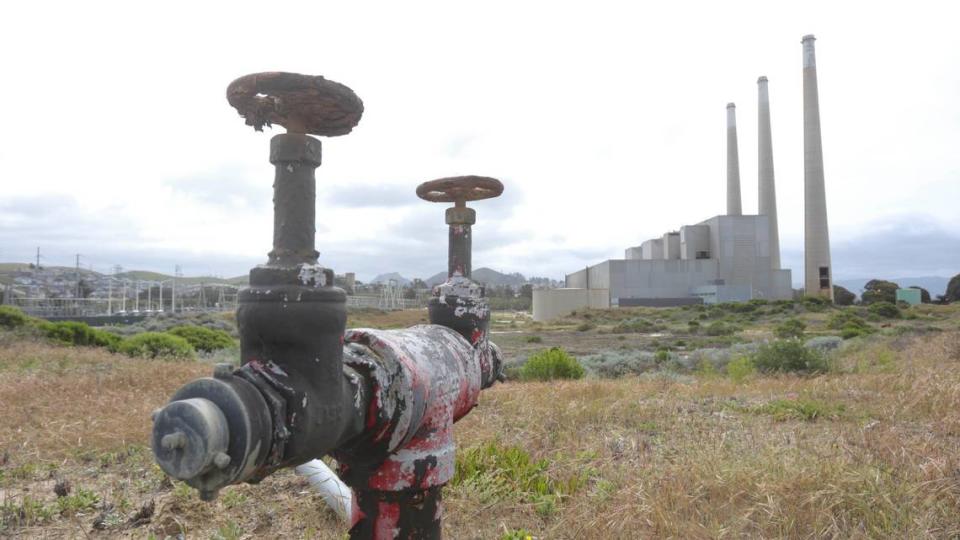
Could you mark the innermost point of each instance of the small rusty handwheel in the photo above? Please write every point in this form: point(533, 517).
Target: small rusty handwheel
point(460, 189)
point(300, 103)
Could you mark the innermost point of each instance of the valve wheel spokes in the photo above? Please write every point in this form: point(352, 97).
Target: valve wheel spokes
point(459, 189)
point(305, 104)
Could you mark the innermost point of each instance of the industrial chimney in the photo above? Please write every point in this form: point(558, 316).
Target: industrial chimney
point(733, 164)
point(818, 274)
point(768, 190)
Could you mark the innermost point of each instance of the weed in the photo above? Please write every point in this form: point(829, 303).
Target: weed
point(78, 501)
point(585, 327)
point(533, 339)
point(516, 534)
point(740, 369)
point(801, 409)
point(228, 531)
point(232, 498)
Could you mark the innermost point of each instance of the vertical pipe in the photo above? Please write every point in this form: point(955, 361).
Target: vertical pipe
point(459, 251)
point(818, 273)
point(733, 164)
point(295, 158)
point(767, 188)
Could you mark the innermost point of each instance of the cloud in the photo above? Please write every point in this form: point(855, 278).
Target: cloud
point(900, 246)
point(368, 196)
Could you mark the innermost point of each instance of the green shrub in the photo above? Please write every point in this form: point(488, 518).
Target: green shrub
point(11, 317)
point(789, 356)
point(550, 364)
point(633, 326)
point(157, 345)
point(613, 364)
point(204, 339)
point(586, 327)
point(885, 309)
point(845, 318)
point(740, 369)
point(534, 339)
point(720, 328)
point(815, 303)
point(78, 333)
point(790, 328)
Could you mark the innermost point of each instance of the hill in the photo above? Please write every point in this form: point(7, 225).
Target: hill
point(485, 276)
point(384, 278)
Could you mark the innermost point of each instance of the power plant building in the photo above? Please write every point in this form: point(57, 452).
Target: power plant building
point(727, 258)
point(722, 259)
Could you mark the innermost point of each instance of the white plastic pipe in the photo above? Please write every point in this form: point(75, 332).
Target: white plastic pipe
point(334, 492)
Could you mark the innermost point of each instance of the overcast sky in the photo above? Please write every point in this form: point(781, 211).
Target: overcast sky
point(604, 120)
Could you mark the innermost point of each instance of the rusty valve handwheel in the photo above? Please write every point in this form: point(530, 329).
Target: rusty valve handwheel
point(460, 189)
point(301, 103)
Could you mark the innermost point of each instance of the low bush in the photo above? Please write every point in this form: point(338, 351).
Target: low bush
point(78, 333)
point(886, 310)
point(633, 326)
point(740, 369)
point(157, 345)
point(614, 364)
point(790, 328)
point(815, 303)
point(824, 344)
point(585, 327)
point(720, 328)
point(789, 356)
point(204, 339)
point(11, 317)
point(533, 339)
point(550, 364)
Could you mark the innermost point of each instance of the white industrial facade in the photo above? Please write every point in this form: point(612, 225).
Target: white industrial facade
point(725, 258)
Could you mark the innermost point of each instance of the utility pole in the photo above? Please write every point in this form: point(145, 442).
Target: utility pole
point(109, 295)
point(76, 296)
point(38, 257)
point(123, 305)
point(136, 303)
point(176, 274)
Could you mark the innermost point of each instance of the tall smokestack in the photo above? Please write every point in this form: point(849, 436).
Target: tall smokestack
point(818, 274)
point(733, 164)
point(768, 190)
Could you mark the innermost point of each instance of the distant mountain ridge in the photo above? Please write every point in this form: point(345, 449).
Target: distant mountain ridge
point(385, 278)
point(484, 276)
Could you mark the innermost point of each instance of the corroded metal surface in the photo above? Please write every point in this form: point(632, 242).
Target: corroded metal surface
point(300, 103)
point(382, 402)
point(458, 189)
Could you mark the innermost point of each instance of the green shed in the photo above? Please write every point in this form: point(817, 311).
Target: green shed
point(910, 296)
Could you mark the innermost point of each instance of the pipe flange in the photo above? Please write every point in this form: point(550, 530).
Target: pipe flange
point(188, 435)
point(304, 104)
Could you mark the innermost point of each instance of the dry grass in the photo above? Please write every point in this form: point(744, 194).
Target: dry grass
point(660, 456)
